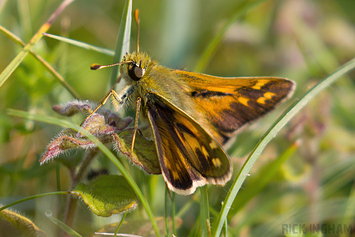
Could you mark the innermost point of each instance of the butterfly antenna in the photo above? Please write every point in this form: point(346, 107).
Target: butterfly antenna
point(96, 66)
point(136, 16)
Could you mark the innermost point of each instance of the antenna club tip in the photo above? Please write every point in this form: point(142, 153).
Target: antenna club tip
point(95, 66)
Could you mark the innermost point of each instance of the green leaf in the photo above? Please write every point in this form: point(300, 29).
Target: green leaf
point(107, 195)
point(18, 225)
point(144, 153)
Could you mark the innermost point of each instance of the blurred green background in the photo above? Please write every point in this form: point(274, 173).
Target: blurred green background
point(303, 40)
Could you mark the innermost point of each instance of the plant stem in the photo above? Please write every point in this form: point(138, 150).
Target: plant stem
point(69, 219)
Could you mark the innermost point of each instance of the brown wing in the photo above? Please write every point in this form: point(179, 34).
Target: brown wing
point(188, 156)
point(230, 103)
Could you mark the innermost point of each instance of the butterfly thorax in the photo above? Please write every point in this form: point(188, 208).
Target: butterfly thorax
point(156, 81)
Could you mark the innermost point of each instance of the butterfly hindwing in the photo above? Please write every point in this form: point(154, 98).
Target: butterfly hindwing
point(189, 157)
point(230, 103)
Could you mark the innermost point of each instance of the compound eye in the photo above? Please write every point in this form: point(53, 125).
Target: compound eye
point(135, 72)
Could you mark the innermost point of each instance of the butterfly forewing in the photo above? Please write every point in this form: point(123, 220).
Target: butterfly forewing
point(230, 103)
point(189, 157)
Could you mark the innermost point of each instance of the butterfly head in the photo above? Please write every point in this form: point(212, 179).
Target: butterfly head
point(136, 66)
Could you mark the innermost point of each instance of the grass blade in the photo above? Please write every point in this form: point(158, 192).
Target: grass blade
point(63, 226)
point(81, 44)
point(123, 38)
point(49, 68)
point(272, 132)
point(20, 57)
point(33, 197)
point(204, 212)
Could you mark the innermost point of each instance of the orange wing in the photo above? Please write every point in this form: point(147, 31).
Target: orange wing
point(231, 103)
point(189, 157)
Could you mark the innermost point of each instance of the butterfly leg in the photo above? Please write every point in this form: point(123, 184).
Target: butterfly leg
point(138, 103)
point(97, 108)
point(121, 98)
